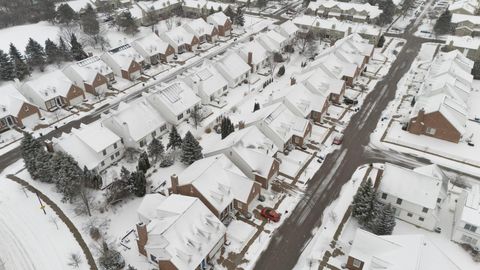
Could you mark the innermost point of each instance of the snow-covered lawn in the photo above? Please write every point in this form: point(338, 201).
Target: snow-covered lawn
point(29, 238)
point(293, 162)
point(19, 35)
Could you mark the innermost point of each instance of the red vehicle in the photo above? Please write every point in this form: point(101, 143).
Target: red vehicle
point(338, 139)
point(270, 214)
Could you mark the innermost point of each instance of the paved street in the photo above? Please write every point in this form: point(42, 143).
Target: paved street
point(292, 237)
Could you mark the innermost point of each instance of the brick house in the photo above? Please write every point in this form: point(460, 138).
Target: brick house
point(153, 49)
point(157, 10)
point(219, 184)
point(221, 22)
point(92, 75)
point(344, 11)
point(323, 83)
point(15, 110)
point(178, 232)
point(181, 40)
point(51, 91)
point(204, 31)
point(125, 62)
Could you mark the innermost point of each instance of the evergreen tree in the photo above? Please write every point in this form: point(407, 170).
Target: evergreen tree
point(363, 202)
point(125, 174)
point(111, 259)
point(211, 10)
point(52, 52)
point(174, 139)
point(196, 115)
point(239, 18)
point(191, 149)
point(65, 53)
point(90, 23)
point(30, 148)
point(381, 41)
point(76, 49)
point(155, 149)
point(384, 223)
point(256, 106)
point(388, 12)
point(44, 172)
point(139, 183)
point(443, 24)
point(230, 14)
point(65, 14)
point(47, 10)
point(143, 163)
point(21, 68)
point(35, 55)
point(91, 178)
point(281, 71)
point(7, 70)
point(69, 177)
point(127, 23)
point(227, 127)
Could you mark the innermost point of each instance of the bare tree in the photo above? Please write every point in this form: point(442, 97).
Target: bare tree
point(196, 115)
point(66, 32)
point(169, 22)
point(304, 40)
point(272, 64)
point(74, 260)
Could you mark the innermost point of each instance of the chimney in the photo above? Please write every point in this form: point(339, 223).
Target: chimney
point(142, 237)
point(420, 115)
point(241, 125)
point(49, 146)
point(251, 38)
point(349, 31)
point(156, 32)
point(90, 54)
point(293, 81)
point(174, 179)
point(249, 58)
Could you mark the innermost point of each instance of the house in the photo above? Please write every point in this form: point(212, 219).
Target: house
point(468, 46)
point(125, 62)
point(153, 11)
point(336, 66)
point(334, 29)
point(219, 184)
point(221, 22)
point(289, 30)
point(204, 31)
point(180, 232)
point(466, 7)
point(465, 25)
point(113, 4)
point(181, 40)
point(175, 101)
point(466, 229)
point(194, 8)
point(415, 194)
point(233, 68)
point(15, 110)
point(255, 55)
point(207, 83)
point(404, 251)
point(280, 125)
point(355, 44)
point(135, 12)
point(153, 49)
point(252, 152)
point(301, 101)
point(92, 75)
point(51, 91)
point(441, 109)
point(272, 41)
point(344, 10)
point(323, 83)
point(93, 146)
point(137, 123)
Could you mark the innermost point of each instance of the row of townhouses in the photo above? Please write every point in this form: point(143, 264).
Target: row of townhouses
point(356, 12)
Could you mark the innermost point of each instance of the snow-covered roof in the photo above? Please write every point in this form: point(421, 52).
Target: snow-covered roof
point(148, 206)
point(207, 78)
point(123, 56)
point(216, 5)
point(354, 44)
point(283, 122)
point(259, 54)
point(147, 6)
point(76, 5)
point(233, 65)
point(12, 101)
point(184, 231)
point(194, 3)
point(334, 24)
point(466, 42)
point(322, 82)
point(288, 28)
point(398, 252)
point(178, 36)
point(470, 6)
point(217, 18)
point(471, 209)
point(138, 117)
point(301, 98)
point(411, 185)
point(272, 40)
point(199, 27)
point(150, 45)
point(347, 7)
point(334, 65)
point(49, 85)
point(253, 147)
point(176, 96)
point(88, 69)
point(458, 18)
point(218, 180)
point(86, 143)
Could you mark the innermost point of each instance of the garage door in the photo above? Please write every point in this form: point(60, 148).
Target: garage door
point(76, 100)
point(101, 89)
point(30, 121)
point(135, 75)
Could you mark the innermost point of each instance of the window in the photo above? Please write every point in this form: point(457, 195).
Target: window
point(399, 201)
point(469, 240)
point(121, 140)
point(188, 111)
point(142, 143)
point(162, 128)
point(104, 152)
point(431, 131)
point(439, 200)
point(469, 227)
point(180, 116)
point(154, 134)
point(102, 163)
point(356, 263)
point(153, 258)
point(410, 215)
point(421, 218)
point(425, 210)
point(112, 157)
point(117, 154)
point(384, 196)
point(115, 146)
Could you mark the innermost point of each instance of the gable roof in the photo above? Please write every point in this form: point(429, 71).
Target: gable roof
point(12, 101)
point(199, 27)
point(49, 85)
point(470, 6)
point(150, 45)
point(217, 18)
point(367, 9)
point(233, 65)
point(176, 96)
point(471, 209)
point(178, 36)
point(87, 69)
point(458, 18)
point(321, 81)
point(207, 78)
point(123, 56)
point(259, 54)
point(301, 98)
point(288, 28)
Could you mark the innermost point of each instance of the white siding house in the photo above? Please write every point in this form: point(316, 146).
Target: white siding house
point(467, 218)
point(233, 68)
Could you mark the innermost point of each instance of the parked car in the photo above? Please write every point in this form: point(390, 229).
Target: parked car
point(270, 214)
point(338, 139)
point(349, 101)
